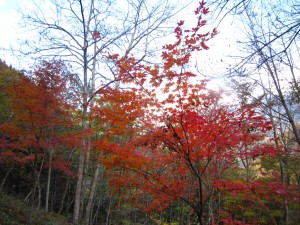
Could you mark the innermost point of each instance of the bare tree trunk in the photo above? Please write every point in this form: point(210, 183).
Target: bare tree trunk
point(31, 202)
point(40, 194)
point(79, 187)
point(287, 110)
point(5, 177)
point(286, 208)
point(92, 194)
point(109, 209)
point(85, 91)
point(188, 220)
point(77, 199)
point(64, 196)
point(32, 193)
point(39, 185)
point(95, 218)
point(181, 218)
point(282, 173)
point(210, 212)
point(87, 213)
point(48, 184)
point(298, 181)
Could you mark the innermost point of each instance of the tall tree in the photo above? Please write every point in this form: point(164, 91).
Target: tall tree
point(83, 32)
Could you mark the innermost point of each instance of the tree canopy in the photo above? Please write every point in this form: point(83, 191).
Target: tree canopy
point(129, 140)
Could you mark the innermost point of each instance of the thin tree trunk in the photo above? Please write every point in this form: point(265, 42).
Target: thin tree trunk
point(181, 218)
point(92, 194)
point(275, 78)
point(48, 184)
point(64, 196)
point(109, 208)
point(286, 208)
point(95, 218)
point(199, 216)
point(40, 194)
point(188, 220)
point(282, 173)
point(87, 214)
point(298, 181)
point(39, 185)
point(32, 195)
point(5, 177)
point(66, 187)
point(171, 212)
point(77, 199)
point(210, 212)
point(31, 203)
point(79, 186)
point(200, 211)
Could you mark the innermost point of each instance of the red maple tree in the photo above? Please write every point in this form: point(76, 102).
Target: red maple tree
point(193, 142)
point(41, 118)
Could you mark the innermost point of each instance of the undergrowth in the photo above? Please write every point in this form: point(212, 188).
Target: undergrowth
point(14, 212)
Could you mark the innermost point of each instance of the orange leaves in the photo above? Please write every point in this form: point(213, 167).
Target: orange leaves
point(170, 132)
point(175, 57)
point(119, 107)
point(204, 46)
point(154, 72)
point(169, 63)
point(39, 109)
point(119, 119)
point(189, 74)
point(38, 101)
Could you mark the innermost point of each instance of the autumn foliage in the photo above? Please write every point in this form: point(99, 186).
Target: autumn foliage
point(187, 143)
point(160, 135)
point(40, 118)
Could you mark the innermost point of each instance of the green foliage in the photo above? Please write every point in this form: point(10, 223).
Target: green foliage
point(269, 164)
point(159, 221)
point(14, 212)
point(7, 76)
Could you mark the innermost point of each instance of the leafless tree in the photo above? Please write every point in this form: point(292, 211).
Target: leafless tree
point(283, 15)
point(83, 33)
point(267, 70)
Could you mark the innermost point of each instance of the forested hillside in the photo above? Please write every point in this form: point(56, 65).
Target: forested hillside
point(107, 128)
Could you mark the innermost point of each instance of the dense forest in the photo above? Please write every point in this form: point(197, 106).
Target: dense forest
point(109, 128)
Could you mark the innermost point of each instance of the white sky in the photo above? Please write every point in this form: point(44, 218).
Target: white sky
point(9, 18)
point(209, 62)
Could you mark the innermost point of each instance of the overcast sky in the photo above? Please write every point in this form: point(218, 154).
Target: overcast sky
point(9, 18)
point(210, 61)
